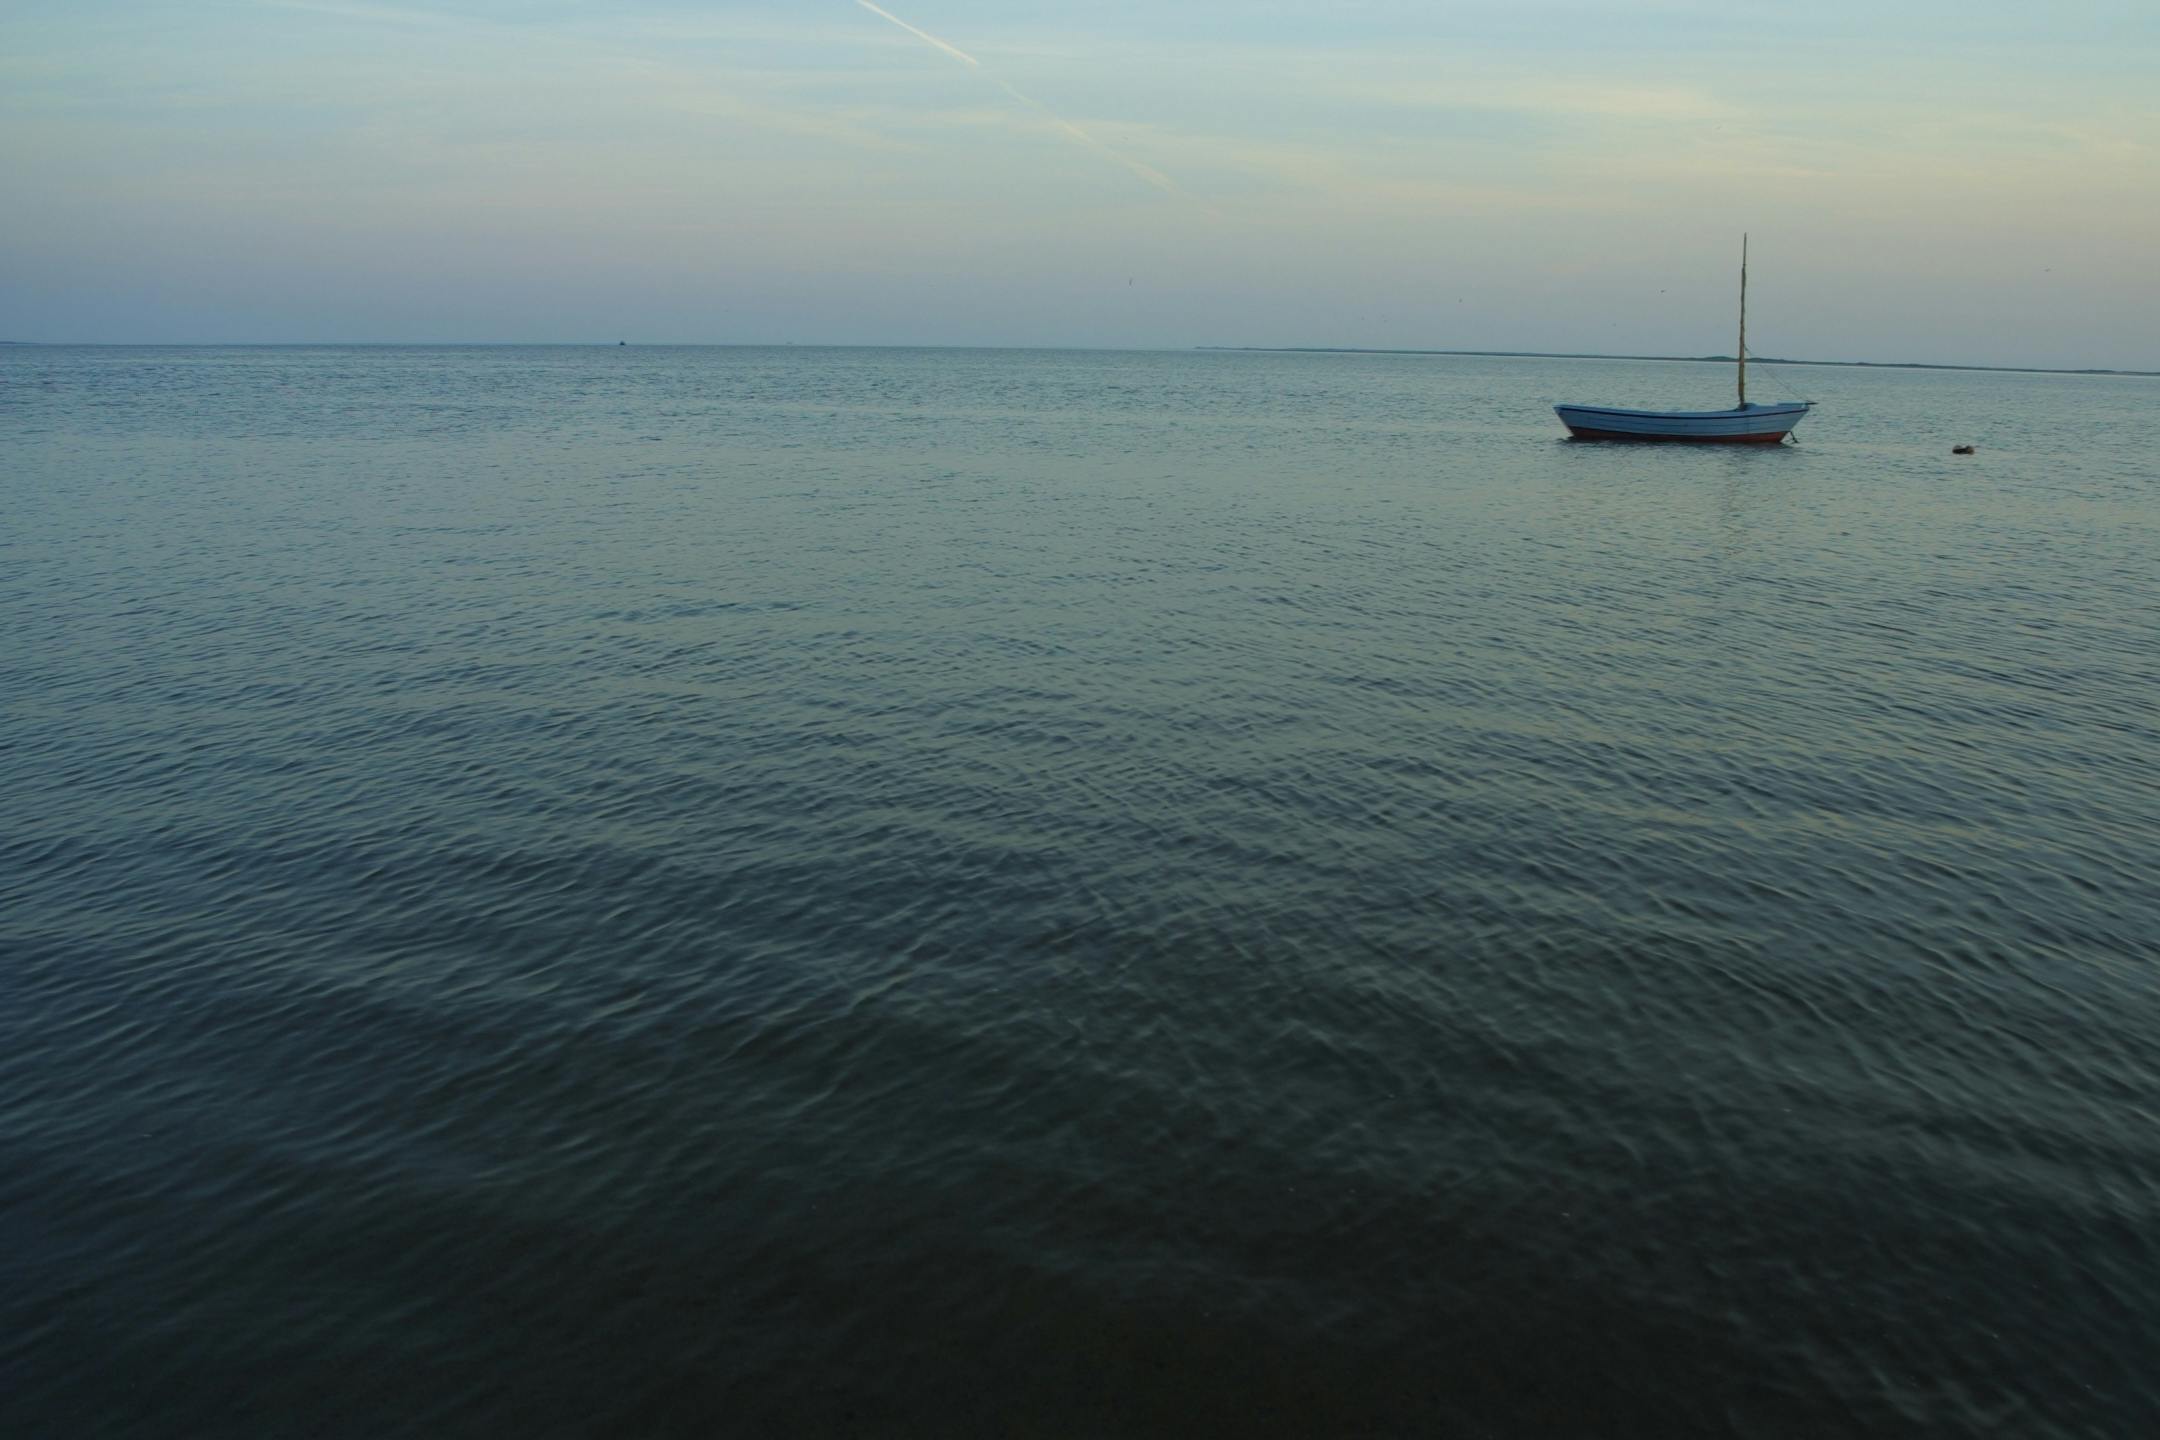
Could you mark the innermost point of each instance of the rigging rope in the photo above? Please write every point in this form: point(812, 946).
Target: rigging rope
point(1754, 359)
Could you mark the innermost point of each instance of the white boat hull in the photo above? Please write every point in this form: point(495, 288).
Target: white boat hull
point(1747, 425)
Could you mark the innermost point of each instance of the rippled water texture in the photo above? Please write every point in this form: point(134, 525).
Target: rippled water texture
point(676, 892)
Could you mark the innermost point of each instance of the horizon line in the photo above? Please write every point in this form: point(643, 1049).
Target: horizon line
point(1107, 349)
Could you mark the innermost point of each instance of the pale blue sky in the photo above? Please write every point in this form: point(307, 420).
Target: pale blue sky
point(1971, 182)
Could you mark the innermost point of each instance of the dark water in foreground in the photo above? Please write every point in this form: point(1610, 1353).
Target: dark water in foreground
point(598, 892)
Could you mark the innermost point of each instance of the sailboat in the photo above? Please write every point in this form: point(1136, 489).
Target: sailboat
point(1744, 424)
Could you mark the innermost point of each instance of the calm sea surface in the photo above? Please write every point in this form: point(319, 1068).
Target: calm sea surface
point(762, 892)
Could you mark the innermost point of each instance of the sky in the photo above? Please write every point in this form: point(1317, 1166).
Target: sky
point(1970, 183)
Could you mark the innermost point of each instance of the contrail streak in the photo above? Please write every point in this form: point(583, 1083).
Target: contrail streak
point(953, 50)
point(1148, 173)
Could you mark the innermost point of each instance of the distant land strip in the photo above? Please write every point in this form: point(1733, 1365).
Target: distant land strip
point(1683, 359)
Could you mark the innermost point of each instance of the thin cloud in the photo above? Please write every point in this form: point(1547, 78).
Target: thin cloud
point(389, 14)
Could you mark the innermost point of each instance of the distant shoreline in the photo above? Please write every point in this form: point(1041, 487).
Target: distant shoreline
point(1680, 359)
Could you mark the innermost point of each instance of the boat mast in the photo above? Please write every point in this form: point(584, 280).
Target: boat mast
point(1743, 321)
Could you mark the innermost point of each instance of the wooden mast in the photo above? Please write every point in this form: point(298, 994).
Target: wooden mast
point(1743, 321)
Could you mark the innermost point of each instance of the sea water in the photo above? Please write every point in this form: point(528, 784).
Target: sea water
point(790, 891)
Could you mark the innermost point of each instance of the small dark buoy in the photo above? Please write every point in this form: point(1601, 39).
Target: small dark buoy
point(622, 342)
point(1961, 450)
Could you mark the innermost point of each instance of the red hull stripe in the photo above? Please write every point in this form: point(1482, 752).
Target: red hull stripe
point(1767, 438)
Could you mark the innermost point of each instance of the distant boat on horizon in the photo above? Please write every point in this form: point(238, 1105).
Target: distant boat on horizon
point(1744, 424)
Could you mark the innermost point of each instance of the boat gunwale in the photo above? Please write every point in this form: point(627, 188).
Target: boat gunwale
point(1766, 412)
